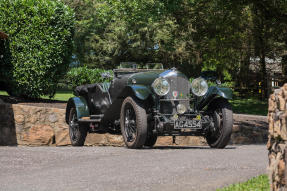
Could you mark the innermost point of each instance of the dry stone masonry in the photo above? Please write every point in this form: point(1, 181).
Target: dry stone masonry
point(277, 140)
point(36, 126)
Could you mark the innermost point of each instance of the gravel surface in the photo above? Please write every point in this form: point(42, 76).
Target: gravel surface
point(119, 168)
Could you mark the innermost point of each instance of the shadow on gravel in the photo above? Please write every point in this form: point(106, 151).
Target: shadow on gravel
point(187, 147)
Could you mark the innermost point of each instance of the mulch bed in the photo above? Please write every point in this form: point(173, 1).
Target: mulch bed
point(34, 102)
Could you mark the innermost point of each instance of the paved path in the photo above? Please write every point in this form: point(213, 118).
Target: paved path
point(118, 168)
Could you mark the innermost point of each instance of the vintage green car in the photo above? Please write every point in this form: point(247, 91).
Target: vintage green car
point(147, 102)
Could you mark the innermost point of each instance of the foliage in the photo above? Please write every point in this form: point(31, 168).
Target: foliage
point(259, 183)
point(40, 43)
point(83, 75)
point(190, 35)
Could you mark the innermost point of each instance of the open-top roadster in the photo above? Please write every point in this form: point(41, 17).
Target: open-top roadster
point(142, 104)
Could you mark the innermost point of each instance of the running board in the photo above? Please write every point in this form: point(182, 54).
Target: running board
point(92, 119)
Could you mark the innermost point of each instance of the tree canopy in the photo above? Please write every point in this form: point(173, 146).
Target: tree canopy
point(190, 34)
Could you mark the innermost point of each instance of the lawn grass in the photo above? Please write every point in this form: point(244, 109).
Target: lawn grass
point(61, 96)
point(3, 93)
point(249, 106)
point(259, 183)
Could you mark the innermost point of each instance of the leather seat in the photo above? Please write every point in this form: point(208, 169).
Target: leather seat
point(97, 96)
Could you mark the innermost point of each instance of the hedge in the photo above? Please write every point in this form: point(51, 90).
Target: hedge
point(39, 48)
point(83, 75)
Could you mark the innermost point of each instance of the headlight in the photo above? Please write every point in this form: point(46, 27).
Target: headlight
point(181, 109)
point(161, 86)
point(199, 87)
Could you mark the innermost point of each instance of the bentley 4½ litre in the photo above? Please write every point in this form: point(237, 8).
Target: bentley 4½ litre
point(144, 103)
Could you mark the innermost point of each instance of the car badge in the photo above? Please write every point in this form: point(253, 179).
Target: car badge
point(175, 94)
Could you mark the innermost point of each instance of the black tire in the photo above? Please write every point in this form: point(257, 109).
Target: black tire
point(222, 116)
point(133, 123)
point(150, 140)
point(78, 132)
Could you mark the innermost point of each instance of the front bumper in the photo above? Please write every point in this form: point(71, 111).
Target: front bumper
point(181, 125)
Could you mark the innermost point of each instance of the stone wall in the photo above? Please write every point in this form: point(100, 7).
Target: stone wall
point(277, 140)
point(30, 125)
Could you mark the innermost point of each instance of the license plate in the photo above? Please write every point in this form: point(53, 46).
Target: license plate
point(188, 124)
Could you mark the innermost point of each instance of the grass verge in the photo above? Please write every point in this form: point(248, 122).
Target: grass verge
point(259, 183)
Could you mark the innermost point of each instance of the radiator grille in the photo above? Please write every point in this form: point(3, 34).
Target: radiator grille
point(178, 94)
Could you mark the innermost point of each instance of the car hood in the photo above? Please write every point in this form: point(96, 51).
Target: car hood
point(147, 78)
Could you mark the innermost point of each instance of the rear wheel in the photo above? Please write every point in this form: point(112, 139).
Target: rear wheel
point(77, 132)
point(222, 121)
point(133, 123)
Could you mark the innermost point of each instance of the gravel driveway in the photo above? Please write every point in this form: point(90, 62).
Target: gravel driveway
point(118, 168)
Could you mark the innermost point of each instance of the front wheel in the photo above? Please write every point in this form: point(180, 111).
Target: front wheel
point(133, 123)
point(221, 126)
point(77, 131)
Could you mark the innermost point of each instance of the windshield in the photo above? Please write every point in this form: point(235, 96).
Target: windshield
point(134, 65)
point(154, 66)
point(128, 65)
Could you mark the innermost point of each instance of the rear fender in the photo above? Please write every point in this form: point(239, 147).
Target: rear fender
point(213, 93)
point(81, 107)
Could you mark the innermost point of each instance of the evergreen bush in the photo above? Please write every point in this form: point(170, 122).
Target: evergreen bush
point(83, 75)
point(40, 45)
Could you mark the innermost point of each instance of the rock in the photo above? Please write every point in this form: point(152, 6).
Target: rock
point(164, 141)
point(96, 139)
point(115, 140)
point(39, 135)
point(271, 103)
point(282, 103)
point(20, 119)
point(53, 118)
point(241, 140)
point(62, 136)
point(269, 143)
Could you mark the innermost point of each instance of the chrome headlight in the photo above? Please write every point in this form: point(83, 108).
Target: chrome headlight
point(199, 87)
point(161, 86)
point(181, 109)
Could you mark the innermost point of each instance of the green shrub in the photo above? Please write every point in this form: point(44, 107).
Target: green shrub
point(83, 75)
point(40, 44)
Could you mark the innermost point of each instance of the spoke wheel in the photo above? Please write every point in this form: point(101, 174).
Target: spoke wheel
point(130, 123)
point(133, 123)
point(221, 126)
point(77, 132)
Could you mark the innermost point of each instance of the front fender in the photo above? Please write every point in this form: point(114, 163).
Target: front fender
point(140, 91)
point(81, 106)
point(214, 92)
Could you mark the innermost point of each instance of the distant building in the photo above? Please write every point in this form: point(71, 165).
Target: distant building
point(274, 71)
point(273, 65)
